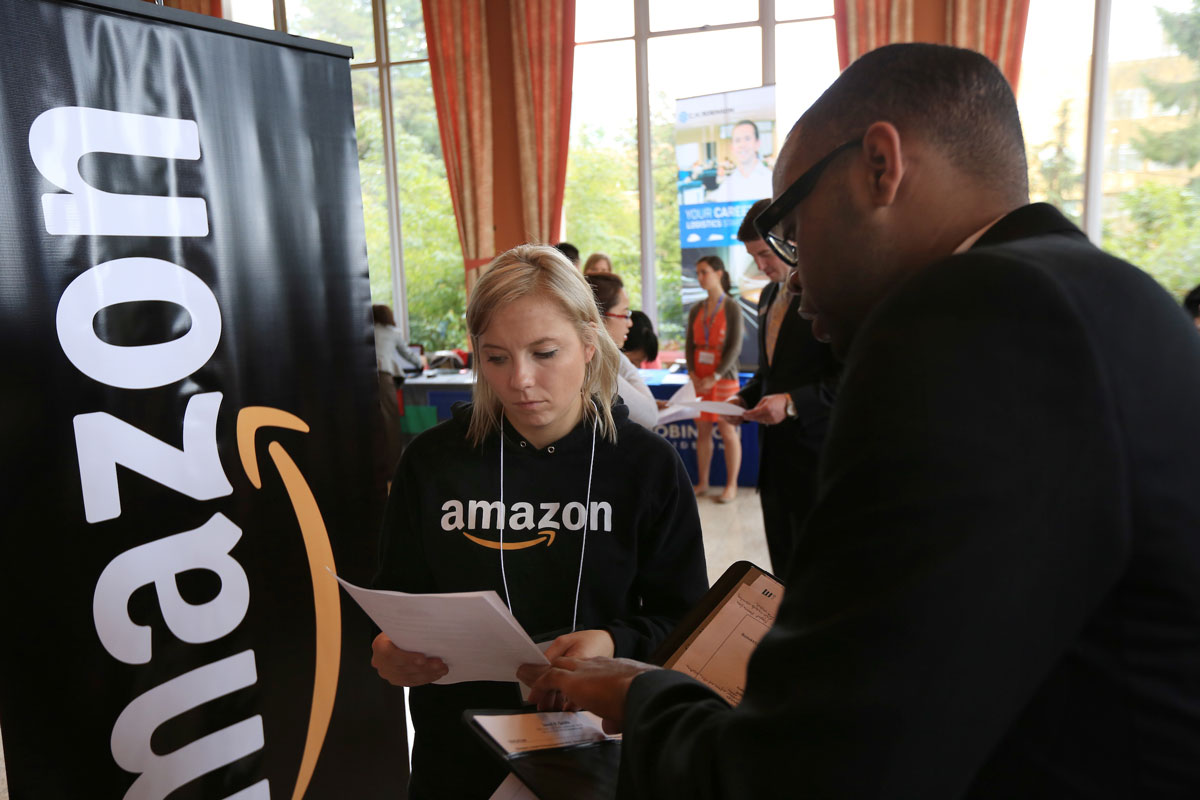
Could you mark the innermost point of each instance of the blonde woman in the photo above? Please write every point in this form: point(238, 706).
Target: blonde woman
point(597, 264)
point(528, 491)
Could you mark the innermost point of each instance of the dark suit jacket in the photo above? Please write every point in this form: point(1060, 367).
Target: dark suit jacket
point(804, 369)
point(998, 592)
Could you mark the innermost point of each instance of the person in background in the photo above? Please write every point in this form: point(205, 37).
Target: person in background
point(714, 341)
point(541, 448)
point(641, 345)
point(596, 264)
point(570, 251)
point(1192, 304)
point(613, 304)
point(392, 357)
point(789, 396)
point(392, 353)
point(997, 594)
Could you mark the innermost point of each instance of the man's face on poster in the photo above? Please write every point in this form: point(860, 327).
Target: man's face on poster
point(745, 145)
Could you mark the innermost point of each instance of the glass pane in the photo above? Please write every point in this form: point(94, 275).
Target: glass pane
point(802, 9)
point(1152, 148)
point(260, 13)
point(686, 66)
point(603, 19)
point(433, 265)
point(368, 127)
point(669, 15)
point(1052, 98)
point(806, 62)
point(600, 209)
point(343, 21)
point(406, 30)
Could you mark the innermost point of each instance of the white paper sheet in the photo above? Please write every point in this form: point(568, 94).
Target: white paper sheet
point(473, 632)
point(684, 405)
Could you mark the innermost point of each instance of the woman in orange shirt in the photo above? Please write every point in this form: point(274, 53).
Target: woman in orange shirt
point(714, 340)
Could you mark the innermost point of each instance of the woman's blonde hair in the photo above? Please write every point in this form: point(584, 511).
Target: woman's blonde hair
point(593, 260)
point(532, 270)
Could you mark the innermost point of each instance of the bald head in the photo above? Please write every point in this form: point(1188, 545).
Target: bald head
point(955, 100)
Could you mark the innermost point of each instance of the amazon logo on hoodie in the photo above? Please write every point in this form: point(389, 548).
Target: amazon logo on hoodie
point(486, 517)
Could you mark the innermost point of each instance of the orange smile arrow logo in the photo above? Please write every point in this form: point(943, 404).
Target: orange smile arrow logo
point(546, 536)
point(320, 556)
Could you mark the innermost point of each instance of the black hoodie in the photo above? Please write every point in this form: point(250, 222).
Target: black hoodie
point(642, 569)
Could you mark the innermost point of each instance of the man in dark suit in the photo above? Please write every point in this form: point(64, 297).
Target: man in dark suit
point(789, 396)
point(997, 594)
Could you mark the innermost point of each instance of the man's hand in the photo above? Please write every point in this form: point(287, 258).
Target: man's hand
point(403, 667)
point(771, 410)
point(737, 401)
point(580, 644)
point(598, 685)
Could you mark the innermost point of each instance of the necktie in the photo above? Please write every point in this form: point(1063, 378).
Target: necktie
point(774, 319)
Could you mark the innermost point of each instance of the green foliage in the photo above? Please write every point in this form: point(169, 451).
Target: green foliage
point(1181, 146)
point(601, 202)
point(666, 227)
point(431, 251)
point(433, 265)
point(343, 21)
point(369, 133)
point(1054, 175)
point(1156, 230)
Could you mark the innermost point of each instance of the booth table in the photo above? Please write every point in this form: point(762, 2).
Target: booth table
point(443, 389)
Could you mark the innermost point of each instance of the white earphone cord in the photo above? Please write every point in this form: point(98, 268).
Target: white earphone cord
point(587, 509)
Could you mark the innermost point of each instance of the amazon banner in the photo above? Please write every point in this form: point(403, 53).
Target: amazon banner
point(188, 411)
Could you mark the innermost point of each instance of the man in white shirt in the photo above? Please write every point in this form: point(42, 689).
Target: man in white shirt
point(750, 179)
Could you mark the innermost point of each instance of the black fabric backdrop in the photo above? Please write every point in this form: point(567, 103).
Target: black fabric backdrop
point(285, 258)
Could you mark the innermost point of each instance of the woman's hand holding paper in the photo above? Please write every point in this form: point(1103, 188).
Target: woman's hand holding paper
point(580, 644)
point(402, 667)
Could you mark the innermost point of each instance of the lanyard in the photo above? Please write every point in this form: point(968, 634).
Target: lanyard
point(706, 321)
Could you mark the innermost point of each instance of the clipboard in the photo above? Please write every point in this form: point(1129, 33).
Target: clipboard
point(586, 771)
point(741, 573)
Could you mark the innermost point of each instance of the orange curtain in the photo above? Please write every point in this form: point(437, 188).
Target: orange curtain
point(995, 28)
point(863, 25)
point(456, 35)
point(543, 37)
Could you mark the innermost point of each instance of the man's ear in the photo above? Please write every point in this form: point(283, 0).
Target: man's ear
point(885, 159)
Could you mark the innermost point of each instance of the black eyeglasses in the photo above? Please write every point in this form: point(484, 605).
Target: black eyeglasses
point(766, 222)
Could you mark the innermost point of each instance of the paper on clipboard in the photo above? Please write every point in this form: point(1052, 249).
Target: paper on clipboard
point(473, 632)
point(684, 405)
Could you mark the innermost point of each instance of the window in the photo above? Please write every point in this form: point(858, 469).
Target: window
point(407, 212)
point(1149, 189)
point(1052, 98)
point(621, 196)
